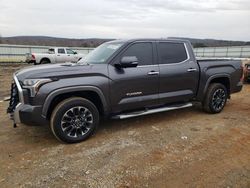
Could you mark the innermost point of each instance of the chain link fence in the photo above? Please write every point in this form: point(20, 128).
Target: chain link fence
point(223, 52)
point(17, 53)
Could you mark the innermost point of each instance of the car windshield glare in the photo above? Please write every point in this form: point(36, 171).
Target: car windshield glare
point(101, 54)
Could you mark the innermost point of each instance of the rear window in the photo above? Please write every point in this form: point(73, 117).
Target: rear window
point(170, 52)
point(51, 51)
point(61, 51)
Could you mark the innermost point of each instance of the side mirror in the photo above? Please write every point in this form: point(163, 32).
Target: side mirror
point(128, 61)
point(75, 52)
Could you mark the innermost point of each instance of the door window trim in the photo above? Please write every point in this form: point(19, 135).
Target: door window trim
point(184, 61)
point(136, 42)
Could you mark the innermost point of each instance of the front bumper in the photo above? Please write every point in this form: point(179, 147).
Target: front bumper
point(21, 112)
point(15, 115)
point(29, 115)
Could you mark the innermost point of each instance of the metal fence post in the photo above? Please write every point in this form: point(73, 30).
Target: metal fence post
point(241, 49)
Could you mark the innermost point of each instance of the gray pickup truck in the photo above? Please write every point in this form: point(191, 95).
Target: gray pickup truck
point(120, 79)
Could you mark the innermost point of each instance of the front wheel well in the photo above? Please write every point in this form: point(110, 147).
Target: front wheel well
point(90, 95)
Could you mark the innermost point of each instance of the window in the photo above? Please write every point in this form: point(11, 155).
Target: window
point(51, 51)
point(143, 51)
point(69, 51)
point(172, 52)
point(61, 51)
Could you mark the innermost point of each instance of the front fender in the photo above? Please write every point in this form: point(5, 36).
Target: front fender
point(60, 91)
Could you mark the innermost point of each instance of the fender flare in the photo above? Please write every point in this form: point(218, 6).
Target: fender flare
point(213, 77)
point(60, 91)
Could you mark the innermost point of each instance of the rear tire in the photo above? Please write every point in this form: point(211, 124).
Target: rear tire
point(74, 120)
point(215, 99)
point(45, 61)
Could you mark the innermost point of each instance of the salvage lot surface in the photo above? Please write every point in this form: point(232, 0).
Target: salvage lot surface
point(183, 148)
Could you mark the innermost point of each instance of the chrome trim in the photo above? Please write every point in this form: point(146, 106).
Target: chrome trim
point(19, 88)
point(16, 115)
point(153, 73)
point(191, 70)
point(141, 66)
point(152, 111)
point(184, 61)
point(188, 55)
point(40, 82)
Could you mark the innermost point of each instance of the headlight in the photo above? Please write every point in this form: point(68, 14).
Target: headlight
point(34, 84)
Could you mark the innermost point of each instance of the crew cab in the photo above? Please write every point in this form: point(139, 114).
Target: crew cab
point(54, 55)
point(121, 79)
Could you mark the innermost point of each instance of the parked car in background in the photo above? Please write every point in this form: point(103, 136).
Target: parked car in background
point(54, 55)
point(247, 72)
point(121, 79)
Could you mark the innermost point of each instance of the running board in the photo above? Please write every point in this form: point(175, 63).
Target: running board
point(151, 111)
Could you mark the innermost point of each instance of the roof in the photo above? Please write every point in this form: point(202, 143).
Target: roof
point(148, 39)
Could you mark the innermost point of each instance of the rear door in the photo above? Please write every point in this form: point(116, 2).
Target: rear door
point(179, 74)
point(135, 87)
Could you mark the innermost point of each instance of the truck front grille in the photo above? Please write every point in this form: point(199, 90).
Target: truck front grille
point(14, 98)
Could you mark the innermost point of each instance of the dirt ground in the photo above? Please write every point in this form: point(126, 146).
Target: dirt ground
point(183, 148)
point(6, 72)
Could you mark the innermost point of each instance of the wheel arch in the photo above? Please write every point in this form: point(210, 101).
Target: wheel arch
point(222, 79)
point(91, 93)
point(45, 58)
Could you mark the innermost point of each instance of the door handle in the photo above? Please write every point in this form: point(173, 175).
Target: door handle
point(191, 70)
point(153, 73)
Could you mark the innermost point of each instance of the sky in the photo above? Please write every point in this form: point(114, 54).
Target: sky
point(218, 19)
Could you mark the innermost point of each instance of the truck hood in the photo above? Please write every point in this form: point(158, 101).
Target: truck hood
point(58, 71)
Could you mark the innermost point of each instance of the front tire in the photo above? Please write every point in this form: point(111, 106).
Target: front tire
point(215, 99)
point(74, 120)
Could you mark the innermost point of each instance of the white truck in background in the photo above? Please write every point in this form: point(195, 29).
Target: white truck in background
point(54, 55)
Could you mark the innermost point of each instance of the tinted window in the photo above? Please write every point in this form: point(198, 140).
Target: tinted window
point(61, 51)
point(143, 51)
point(172, 52)
point(69, 51)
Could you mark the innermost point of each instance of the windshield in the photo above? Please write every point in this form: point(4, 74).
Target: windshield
point(101, 53)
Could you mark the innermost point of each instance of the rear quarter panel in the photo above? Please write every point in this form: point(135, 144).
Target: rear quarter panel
point(211, 69)
point(39, 57)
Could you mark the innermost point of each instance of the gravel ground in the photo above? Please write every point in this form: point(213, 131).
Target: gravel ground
point(183, 148)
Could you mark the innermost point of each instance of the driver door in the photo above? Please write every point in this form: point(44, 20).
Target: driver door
point(71, 56)
point(133, 88)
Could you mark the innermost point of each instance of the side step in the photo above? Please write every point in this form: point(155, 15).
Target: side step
point(152, 111)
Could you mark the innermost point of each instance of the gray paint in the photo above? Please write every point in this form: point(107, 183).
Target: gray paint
point(132, 88)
